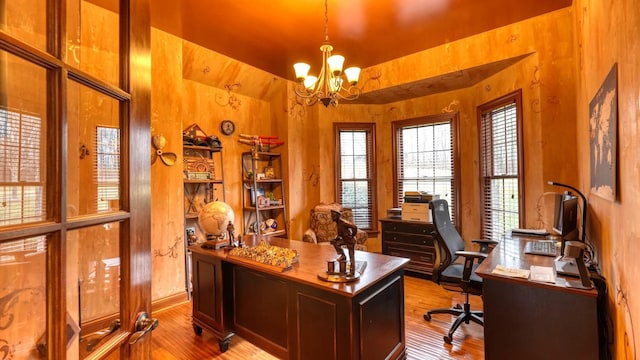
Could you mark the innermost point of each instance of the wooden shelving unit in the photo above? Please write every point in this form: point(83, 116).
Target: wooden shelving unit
point(263, 195)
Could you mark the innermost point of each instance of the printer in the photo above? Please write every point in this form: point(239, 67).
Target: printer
point(416, 206)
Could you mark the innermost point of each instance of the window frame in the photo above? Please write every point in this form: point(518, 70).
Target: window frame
point(370, 129)
point(511, 98)
point(454, 120)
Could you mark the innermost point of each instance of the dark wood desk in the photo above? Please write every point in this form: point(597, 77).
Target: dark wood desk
point(295, 315)
point(532, 320)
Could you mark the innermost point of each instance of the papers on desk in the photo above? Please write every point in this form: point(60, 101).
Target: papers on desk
point(535, 273)
point(542, 274)
point(510, 272)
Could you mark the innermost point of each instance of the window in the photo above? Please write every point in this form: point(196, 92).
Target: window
point(426, 158)
point(108, 167)
point(501, 165)
point(355, 159)
point(22, 189)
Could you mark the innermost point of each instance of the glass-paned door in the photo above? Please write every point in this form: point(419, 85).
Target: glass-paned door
point(74, 218)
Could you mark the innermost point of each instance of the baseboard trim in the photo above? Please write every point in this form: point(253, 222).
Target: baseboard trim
point(169, 301)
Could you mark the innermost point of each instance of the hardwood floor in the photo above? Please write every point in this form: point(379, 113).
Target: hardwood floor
point(175, 339)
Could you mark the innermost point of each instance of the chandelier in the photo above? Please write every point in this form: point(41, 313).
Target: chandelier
point(328, 87)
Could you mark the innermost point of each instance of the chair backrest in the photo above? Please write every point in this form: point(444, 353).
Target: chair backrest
point(448, 238)
point(322, 224)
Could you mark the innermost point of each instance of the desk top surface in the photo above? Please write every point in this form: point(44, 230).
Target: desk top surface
point(312, 260)
point(510, 253)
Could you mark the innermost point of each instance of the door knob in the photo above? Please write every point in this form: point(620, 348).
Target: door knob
point(144, 324)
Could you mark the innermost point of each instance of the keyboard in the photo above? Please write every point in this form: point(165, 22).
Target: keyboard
point(544, 248)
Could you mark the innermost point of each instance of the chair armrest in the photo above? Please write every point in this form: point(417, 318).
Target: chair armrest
point(485, 241)
point(472, 254)
point(469, 259)
point(310, 236)
point(485, 244)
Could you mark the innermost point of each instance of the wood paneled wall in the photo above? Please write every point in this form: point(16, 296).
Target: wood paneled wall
point(607, 33)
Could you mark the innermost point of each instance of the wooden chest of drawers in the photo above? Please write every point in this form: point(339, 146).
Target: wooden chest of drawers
point(413, 240)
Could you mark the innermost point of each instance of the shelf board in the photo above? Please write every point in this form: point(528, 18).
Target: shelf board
point(253, 208)
point(194, 181)
point(191, 215)
point(262, 181)
point(271, 233)
point(203, 148)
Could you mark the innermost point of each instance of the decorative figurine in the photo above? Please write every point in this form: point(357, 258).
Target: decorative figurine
point(230, 231)
point(337, 270)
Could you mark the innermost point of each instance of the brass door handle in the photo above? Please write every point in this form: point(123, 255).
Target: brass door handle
point(94, 338)
point(144, 324)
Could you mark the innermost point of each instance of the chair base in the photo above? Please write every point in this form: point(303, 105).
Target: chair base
point(464, 315)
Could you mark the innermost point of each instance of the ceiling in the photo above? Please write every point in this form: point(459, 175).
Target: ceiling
point(273, 35)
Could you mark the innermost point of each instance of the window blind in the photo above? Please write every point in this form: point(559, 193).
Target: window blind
point(425, 160)
point(499, 170)
point(354, 168)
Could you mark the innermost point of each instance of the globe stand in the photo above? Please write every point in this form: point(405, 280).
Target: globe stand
point(215, 242)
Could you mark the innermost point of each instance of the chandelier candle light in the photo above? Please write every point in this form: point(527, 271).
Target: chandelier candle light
point(328, 86)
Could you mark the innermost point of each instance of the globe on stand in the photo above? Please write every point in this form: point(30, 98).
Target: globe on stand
point(214, 219)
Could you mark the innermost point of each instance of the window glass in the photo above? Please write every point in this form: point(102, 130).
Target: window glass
point(25, 20)
point(94, 168)
point(93, 282)
point(94, 46)
point(23, 315)
point(22, 141)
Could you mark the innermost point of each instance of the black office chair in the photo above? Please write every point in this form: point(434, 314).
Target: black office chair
point(450, 272)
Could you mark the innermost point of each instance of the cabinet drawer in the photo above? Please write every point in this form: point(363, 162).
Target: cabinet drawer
point(421, 254)
point(424, 240)
point(408, 227)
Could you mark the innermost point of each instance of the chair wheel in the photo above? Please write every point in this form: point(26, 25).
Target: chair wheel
point(458, 306)
point(427, 317)
point(448, 339)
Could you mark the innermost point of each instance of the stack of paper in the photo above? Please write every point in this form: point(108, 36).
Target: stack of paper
point(511, 272)
point(543, 274)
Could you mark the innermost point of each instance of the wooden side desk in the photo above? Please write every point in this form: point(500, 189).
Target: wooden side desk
point(524, 319)
point(295, 315)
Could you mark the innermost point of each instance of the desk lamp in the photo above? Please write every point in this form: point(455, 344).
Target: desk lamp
point(584, 207)
point(574, 253)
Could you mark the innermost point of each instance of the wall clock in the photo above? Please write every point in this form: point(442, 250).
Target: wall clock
point(227, 127)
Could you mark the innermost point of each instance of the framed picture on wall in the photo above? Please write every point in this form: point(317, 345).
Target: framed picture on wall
point(603, 133)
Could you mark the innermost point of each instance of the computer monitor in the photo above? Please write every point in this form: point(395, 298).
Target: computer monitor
point(566, 218)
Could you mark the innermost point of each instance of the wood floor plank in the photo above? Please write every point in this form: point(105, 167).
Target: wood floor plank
point(175, 339)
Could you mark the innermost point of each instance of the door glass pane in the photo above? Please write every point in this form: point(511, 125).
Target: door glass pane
point(93, 284)
point(23, 321)
point(23, 115)
point(93, 42)
point(25, 20)
point(93, 174)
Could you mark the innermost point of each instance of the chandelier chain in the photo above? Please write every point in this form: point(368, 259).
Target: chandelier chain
point(326, 20)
